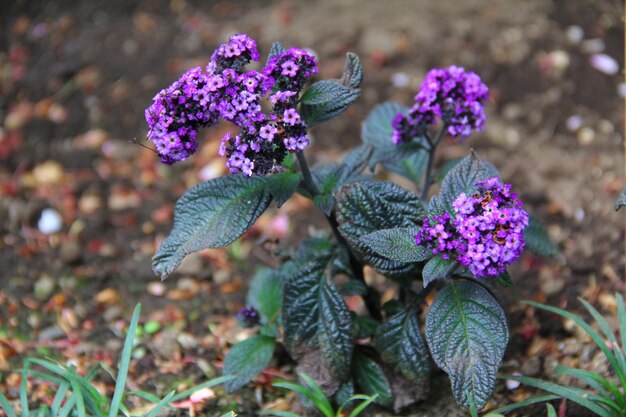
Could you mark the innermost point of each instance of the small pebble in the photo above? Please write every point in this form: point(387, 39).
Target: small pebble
point(585, 136)
point(50, 221)
point(575, 34)
point(604, 64)
point(44, 286)
point(592, 46)
point(400, 80)
point(573, 123)
point(512, 385)
point(621, 90)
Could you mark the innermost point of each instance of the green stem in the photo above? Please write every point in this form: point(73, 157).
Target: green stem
point(431, 160)
point(371, 298)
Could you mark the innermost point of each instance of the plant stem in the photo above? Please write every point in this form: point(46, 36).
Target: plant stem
point(371, 298)
point(431, 160)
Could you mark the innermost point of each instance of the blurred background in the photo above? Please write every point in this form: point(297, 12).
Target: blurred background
point(83, 206)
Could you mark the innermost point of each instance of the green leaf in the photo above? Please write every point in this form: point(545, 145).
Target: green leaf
point(352, 71)
point(6, 406)
point(400, 344)
point(247, 359)
point(410, 159)
point(276, 49)
point(467, 333)
point(397, 244)
point(537, 239)
point(353, 287)
point(369, 206)
point(315, 314)
point(504, 279)
point(621, 201)
point(266, 294)
point(282, 185)
point(212, 215)
point(550, 410)
point(371, 379)
point(325, 100)
point(436, 269)
point(534, 399)
point(364, 326)
point(461, 178)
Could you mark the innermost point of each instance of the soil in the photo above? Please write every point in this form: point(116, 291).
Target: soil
point(76, 77)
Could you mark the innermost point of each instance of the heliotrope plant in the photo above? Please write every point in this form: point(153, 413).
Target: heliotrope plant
point(459, 243)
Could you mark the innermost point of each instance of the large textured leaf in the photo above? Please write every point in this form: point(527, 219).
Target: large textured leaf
point(325, 100)
point(437, 268)
point(212, 215)
point(371, 380)
point(467, 333)
point(352, 71)
point(276, 49)
point(266, 294)
point(330, 177)
point(282, 185)
point(247, 359)
point(397, 244)
point(537, 239)
point(400, 344)
point(368, 206)
point(462, 178)
point(409, 160)
point(315, 315)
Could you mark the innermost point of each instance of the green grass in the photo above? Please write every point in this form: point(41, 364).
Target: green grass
point(76, 396)
point(601, 396)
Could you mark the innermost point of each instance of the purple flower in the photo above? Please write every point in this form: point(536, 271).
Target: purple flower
point(248, 317)
point(486, 233)
point(239, 51)
point(291, 117)
point(453, 95)
point(267, 132)
point(290, 70)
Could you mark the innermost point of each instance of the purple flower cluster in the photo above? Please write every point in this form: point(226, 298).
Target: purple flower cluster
point(453, 95)
point(289, 70)
point(224, 91)
point(176, 115)
point(486, 234)
point(248, 317)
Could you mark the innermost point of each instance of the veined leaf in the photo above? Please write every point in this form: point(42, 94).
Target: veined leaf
point(247, 359)
point(400, 344)
point(371, 379)
point(397, 244)
point(282, 185)
point(537, 239)
point(325, 100)
point(436, 269)
point(467, 333)
point(212, 215)
point(266, 294)
point(352, 71)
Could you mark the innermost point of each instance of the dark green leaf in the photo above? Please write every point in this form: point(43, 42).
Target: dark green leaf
point(371, 380)
point(325, 202)
point(397, 244)
point(621, 201)
point(352, 71)
point(276, 49)
point(504, 279)
point(283, 185)
point(247, 359)
point(335, 329)
point(212, 215)
point(266, 294)
point(353, 287)
point(364, 326)
point(462, 178)
point(408, 160)
point(325, 100)
point(467, 333)
point(345, 391)
point(315, 314)
point(437, 268)
point(368, 206)
point(537, 239)
point(400, 344)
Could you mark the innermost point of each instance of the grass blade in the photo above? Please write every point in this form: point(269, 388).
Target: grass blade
point(278, 413)
point(6, 406)
point(595, 381)
point(120, 383)
point(67, 407)
point(165, 401)
point(80, 403)
point(551, 410)
point(592, 333)
point(59, 397)
point(621, 319)
point(210, 383)
point(354, 398)
point(327, 411)
point(24, 391)
point(357, 410)
point(317, 392)
point(571, 394)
